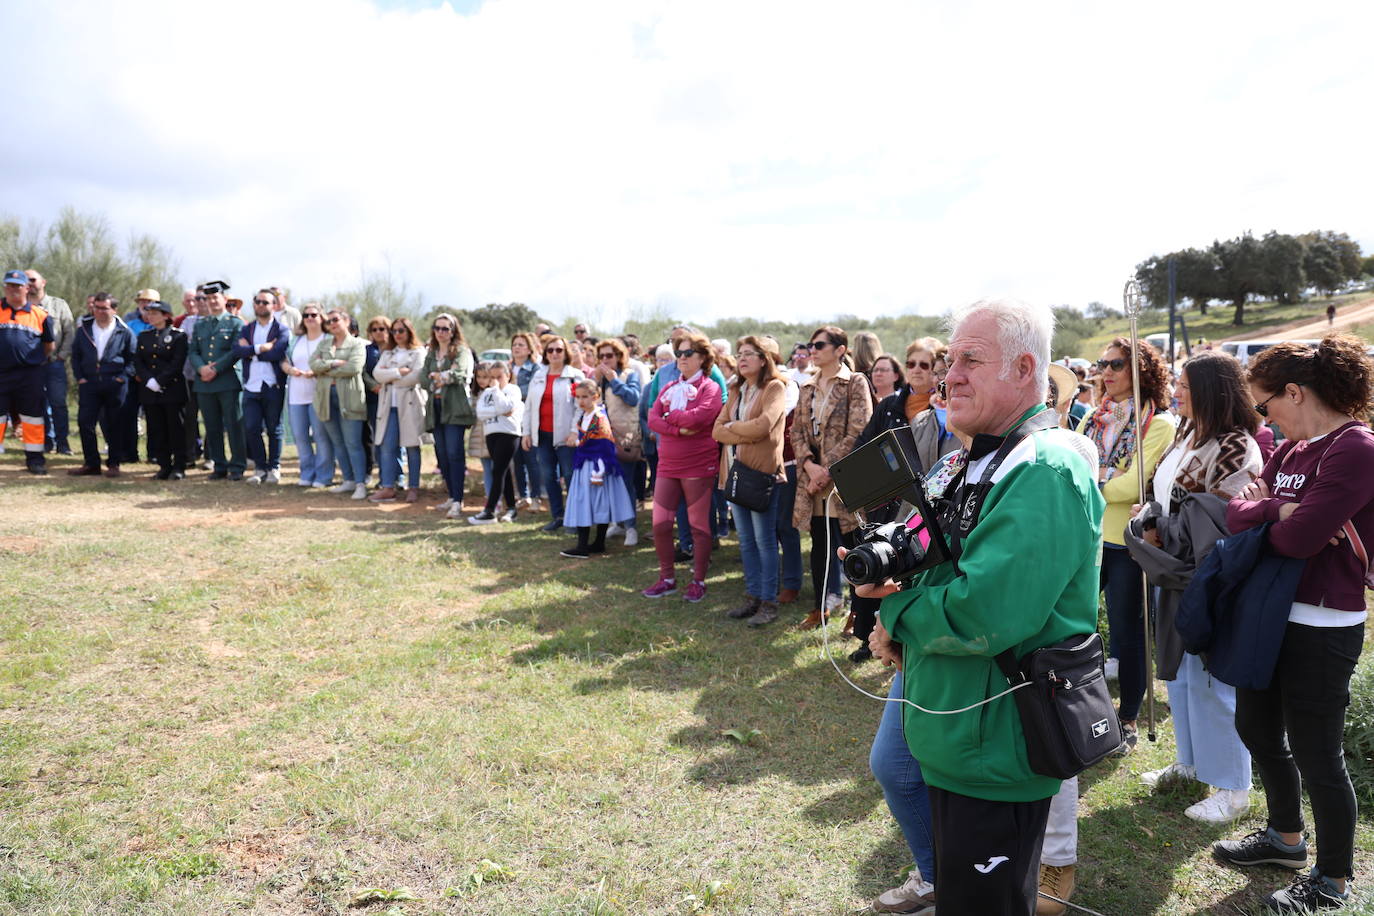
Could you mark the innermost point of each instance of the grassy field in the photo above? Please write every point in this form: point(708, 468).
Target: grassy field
point(216, 698)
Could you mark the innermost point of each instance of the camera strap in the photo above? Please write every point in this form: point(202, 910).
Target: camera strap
point(962, 512)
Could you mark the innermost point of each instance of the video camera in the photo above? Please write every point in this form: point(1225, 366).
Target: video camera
point(879, 472)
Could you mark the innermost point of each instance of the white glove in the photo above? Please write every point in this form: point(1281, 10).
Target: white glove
point(153, 386)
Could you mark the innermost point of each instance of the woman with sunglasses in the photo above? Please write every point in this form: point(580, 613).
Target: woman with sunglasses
point(911, 404)
point(1317, 493)
point(1111, 427)
point(833, 409)
point(447, 376)
point(523, 348)
point(401, 410)
point(688, 458)
point(547, 422)
point(378, 339)
point(313, 447)
point(340, 401)
point(619, 386)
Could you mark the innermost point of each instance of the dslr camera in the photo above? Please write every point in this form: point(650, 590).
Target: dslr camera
point(884, 470)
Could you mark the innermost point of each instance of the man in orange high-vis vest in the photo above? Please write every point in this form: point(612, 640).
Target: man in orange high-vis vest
point(26, 340)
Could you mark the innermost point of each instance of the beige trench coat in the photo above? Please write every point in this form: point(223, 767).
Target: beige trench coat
point(411, 400)
point(842, 417)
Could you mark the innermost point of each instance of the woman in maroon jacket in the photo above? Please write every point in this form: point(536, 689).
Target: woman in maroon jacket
point(1317, 493)
point(688, 460)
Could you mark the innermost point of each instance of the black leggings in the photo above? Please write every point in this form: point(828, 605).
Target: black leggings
point(501, 448)
point(1307, 700)
point(865, 609)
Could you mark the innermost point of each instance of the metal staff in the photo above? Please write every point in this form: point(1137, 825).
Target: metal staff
point(1134, 302)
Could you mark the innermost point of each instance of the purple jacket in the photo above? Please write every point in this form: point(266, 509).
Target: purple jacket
point(1342, 491)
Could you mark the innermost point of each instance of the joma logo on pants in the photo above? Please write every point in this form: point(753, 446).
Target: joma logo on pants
point(1289, 481)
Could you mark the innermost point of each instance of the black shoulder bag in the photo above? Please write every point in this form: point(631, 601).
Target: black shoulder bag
point(1066, 709)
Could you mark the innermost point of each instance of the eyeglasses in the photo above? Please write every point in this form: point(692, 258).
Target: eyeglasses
point(262, 301)
point(1262, 407)
point(554, 350)
point(683, 354)
point(1116, 365)
point(442, 329)
point(744, 353)
point(106, 308)
point(819, 344)
point(914, 363)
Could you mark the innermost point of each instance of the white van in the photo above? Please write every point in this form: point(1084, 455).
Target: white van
point(1243, 350)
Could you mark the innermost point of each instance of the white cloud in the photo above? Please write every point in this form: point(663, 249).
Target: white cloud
point(777, 159)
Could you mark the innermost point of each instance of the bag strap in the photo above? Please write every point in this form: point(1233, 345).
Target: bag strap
point(1006, 661)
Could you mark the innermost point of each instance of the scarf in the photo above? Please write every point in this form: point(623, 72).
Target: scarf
point(1112, 429)
point(683, 393)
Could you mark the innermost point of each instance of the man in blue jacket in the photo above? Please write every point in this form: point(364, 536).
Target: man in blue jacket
point(261, 347)
point(102, 363)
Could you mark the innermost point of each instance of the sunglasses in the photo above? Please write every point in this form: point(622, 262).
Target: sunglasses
point(606, 355)
point(334, 320)
point(201, 298)
point(819, 344)
point(377, 330)
point(554, 350)
point(310, 315)
point(262, 301)
point(1262, 407)
point(683, 354)
point(914, 363)
point(1116, 365)
point(442, 329)
point(395, 331)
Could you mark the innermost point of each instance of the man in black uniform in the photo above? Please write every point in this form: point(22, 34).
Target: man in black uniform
point(159, 361)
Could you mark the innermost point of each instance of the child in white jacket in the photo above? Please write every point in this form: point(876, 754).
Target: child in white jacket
point(500, 411)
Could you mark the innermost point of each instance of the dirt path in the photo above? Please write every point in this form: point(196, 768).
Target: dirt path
point(1360, 311)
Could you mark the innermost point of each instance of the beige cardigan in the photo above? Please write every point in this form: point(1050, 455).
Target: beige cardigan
point(758, 435)
point(411, 399)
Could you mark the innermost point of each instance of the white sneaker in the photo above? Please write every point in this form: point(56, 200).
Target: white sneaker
point(1112, 666)
point(444, 506)
point(631, 537)
point(303, 482)
point(1221, 807)
point(522, 503)
point(253, 478)
point(272, 477)
point(454, 511)
point(1171, 772)
point(347, 486)
point(508, 516)
point(916, 895)
point(320, 485)
point(615, 530)
point(360, 491)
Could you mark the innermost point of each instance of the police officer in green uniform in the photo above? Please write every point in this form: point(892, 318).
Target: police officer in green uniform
point(217, 386)
point(159, 358)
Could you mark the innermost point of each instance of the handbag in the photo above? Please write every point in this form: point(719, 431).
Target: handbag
point(1066, 709)
point(748, 488)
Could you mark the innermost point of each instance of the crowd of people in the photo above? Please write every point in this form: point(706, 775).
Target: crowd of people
point(737, 438)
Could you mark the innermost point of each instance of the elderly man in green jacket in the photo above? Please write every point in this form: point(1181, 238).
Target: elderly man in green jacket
point(1027, 541)
point(218, 389)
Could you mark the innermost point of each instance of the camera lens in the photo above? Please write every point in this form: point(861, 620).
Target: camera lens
point(869, 564)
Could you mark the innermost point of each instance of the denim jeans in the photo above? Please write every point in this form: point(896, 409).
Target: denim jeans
point(59, 423)
point(789, 538)
point(526, 474)
point(1204, 714)
point(1122, 584)
point(312, 444)
point(553, 461)
point(262, 413)
point(487, 470)
point(903, 786)
point(448, 449)
point(758, 548)
point(628, 470)
point(389, 455)
point(347, 438)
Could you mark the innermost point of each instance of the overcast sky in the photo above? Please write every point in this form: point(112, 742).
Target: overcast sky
point(780, 159)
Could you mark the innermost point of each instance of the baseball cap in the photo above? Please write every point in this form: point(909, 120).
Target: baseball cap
point(16, 277)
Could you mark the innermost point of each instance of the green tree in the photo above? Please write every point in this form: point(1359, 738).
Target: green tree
point(1242, 272)
point(503, 321)
point(1322, 264)
point(1284, 278)
point(379, 292)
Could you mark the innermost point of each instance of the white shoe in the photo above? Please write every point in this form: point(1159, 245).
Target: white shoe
point(454, 511)
point(272, 477)
point(833, 603)
point(1171, 772)
point(303, 482)
point(522, 503)
point(444, 506)
point(507, 516)
point(1221, 807)
point(631, 537)
point(347, 486)
point(916, 895)
point(1112, 666)
point(253, 478)
point(615, 530)
point(360, 491)
point(320, 485)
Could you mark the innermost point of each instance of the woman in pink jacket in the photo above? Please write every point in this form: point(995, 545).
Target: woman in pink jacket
point(688, 460)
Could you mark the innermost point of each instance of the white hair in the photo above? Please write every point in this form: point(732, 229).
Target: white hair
point(1021, 328)
point(721, 345)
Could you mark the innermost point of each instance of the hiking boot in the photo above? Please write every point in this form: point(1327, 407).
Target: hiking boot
point(1174, 772)
point(787, 595)
point(767, 613)
point(660, 588)
point(813, 620)
point(1313, 891)
point(1261, 848)
point(915, 895)
point(1221, 807)
point(1056, 881)
point(384, 495)
point(749, 608)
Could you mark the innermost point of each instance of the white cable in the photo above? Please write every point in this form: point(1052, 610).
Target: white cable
point(825, 641)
